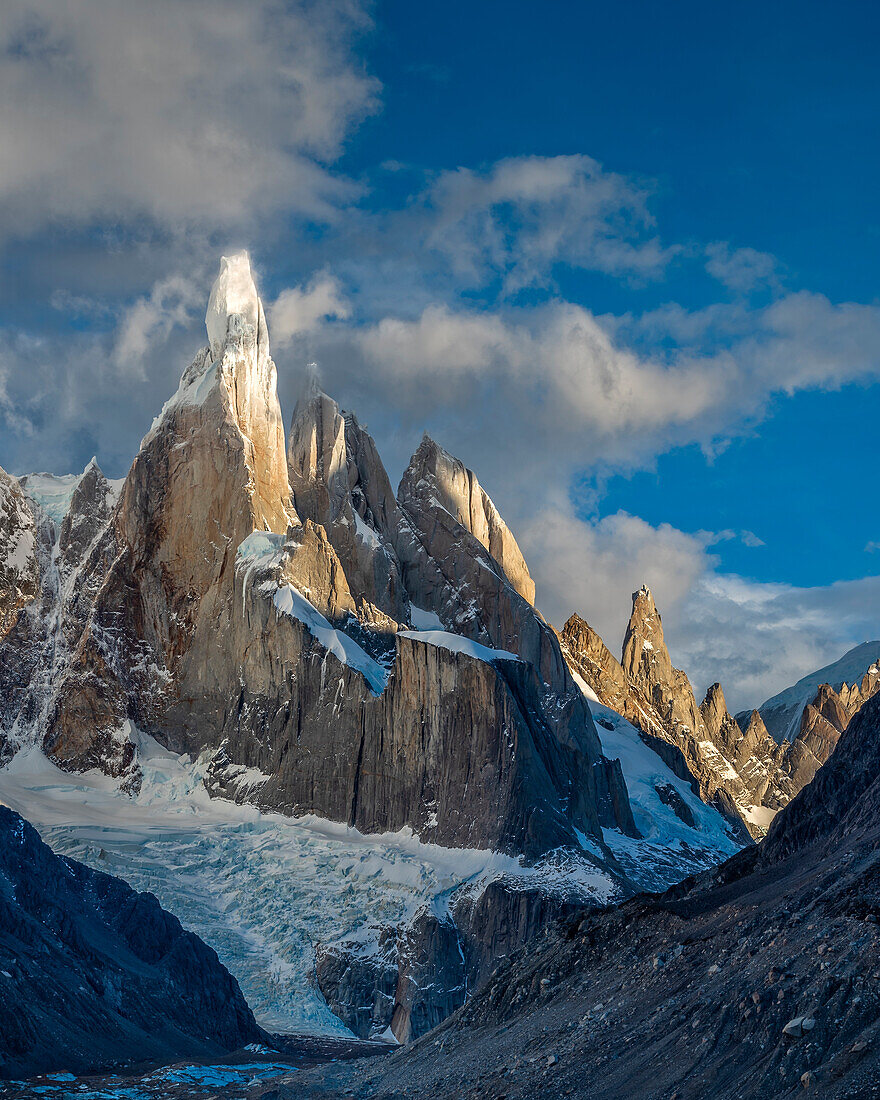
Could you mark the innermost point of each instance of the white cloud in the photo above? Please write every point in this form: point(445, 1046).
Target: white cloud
point(299, 311)
point(741, 269)
point(552, 383)
point(148, 322)
point(180, 113)
point(523, 215)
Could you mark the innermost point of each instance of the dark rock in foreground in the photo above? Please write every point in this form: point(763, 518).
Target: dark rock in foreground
point(758, 979)
point(93, 974)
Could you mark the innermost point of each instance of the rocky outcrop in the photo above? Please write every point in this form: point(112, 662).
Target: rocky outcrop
point(93, 974)
point(19, 569)
point(338, 481)
point(456, 746)
point(744, 774)
point(72, 555)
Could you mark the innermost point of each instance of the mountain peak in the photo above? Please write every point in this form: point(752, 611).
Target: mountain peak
point(234, 294)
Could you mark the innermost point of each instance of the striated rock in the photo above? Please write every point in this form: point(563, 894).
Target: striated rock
point(211, 470)
point(94, 974)
point(822, 723)
point(378, 745)
point(743, 774)
point(339, 482)
point(19, 568)
point(455, 489)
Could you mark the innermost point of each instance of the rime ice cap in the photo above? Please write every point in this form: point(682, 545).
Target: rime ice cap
point(233, 292)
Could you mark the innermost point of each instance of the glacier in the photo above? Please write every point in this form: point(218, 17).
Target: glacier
point(261, 889)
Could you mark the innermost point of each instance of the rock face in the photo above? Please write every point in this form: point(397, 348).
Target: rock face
point(93, 974)
point(71, 552)
point(339, 482)
point(756, 979)
point(292, 660)
point(19, 570)
point(739, 769)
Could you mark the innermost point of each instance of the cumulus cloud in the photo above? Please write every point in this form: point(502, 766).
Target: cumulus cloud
point(175, 113)
point(299, 311)
point(553, 382)
point(520, 217)
point(741, 269)
point(148, 322)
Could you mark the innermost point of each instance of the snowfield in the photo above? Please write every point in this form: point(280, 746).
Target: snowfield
point(261, 889)
point(670, 848)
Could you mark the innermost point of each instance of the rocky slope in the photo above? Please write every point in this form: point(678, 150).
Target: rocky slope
point(756, 979)
point(19, 570)
point(735, 764)
point(93, 974)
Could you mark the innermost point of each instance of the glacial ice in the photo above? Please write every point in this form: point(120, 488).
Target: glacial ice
point(261, 889)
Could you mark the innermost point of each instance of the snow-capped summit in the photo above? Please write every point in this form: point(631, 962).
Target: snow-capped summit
point(233, 295)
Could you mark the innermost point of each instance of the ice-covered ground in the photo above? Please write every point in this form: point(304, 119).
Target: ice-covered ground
point(261, 889)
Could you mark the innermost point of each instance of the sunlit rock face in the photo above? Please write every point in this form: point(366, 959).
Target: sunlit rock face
point(743, 774)
point(305, 655)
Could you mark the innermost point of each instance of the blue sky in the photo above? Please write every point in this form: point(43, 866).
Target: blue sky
point(623, 259)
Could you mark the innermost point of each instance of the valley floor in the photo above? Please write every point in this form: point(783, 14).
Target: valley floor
point(242, 1075)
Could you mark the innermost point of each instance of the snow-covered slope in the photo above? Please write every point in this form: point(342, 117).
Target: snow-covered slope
point(782, 713)
point(261, 889)
point(680, 833)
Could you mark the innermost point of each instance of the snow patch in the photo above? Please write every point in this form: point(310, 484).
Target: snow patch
point(346, 650)
point(424, 620)
point(455, 643)
point(669, 849)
